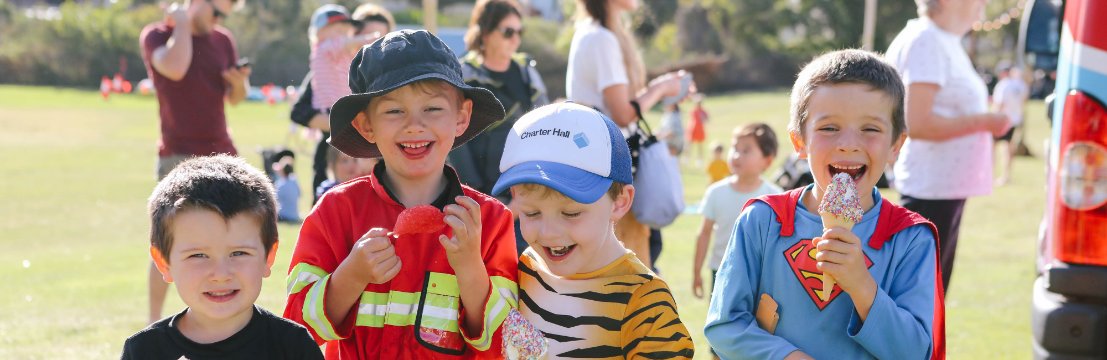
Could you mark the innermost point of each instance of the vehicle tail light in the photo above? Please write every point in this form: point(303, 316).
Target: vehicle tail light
point(1079, 230)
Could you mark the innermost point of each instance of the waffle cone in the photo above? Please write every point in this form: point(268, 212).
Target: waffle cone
point(830, 221)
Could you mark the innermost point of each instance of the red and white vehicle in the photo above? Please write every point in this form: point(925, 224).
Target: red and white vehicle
point(1069, 316)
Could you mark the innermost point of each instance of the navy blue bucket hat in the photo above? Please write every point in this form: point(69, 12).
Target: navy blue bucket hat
point(401, 58)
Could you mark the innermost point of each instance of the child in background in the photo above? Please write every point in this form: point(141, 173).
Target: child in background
point(333, 46)
point(1009, 97)
point(214, 233)
point(409, 107)
point(717, 169)
point(847, 117)
point(696, 133)
point(288, 189)
point(342, 168)
point(568, 169)
point(752, 149)
point(672, 130)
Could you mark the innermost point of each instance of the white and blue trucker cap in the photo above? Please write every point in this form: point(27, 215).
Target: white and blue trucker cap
point(568, 147)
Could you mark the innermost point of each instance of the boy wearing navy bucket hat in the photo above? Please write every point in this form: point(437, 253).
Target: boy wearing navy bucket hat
point(568, 169)
point(443, 291)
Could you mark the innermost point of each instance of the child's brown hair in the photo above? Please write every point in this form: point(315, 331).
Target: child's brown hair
point(223, 184)
point(847, 67)
point(761, 134)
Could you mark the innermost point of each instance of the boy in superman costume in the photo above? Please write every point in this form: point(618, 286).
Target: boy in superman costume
point(847, 117)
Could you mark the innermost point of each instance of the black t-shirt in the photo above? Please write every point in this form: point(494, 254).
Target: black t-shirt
point(266, 336)
point(515, 90)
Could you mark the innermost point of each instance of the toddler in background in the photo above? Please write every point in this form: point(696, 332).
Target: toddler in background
point(717, 169)
point(288, 189)
point(341, 168)
point(333, 46)
point(696, 132)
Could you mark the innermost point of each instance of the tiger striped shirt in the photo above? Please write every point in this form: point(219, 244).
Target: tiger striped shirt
point(622, 310)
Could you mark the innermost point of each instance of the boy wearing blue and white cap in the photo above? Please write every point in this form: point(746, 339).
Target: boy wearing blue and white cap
point(568, 169)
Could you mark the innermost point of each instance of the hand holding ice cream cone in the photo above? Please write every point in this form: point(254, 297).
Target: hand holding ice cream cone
point(840, 207)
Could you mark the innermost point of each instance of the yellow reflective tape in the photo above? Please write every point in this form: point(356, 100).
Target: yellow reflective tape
point(500, 282)
point(314, 315)
point(302, 275)
point(501, 299)
point(398, 308)
point(443, 284)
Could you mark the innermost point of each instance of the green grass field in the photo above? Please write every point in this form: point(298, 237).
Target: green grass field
point(75, 172)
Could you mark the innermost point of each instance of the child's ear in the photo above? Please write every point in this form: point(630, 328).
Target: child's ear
point(511, 191)
point(363, 127)
point(622, 203)
point(797, 144)
point(463, 116)
point(269, 259)
point(896, 146)
point(161, 264)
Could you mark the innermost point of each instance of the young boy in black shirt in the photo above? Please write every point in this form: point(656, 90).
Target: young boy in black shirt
point(214, 233)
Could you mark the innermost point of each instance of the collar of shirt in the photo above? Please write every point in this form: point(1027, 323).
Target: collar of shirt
point(453, 186)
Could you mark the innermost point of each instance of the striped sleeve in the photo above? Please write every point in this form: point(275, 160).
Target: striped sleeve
point(501, 262)
point(651, 326)
point(313, 261)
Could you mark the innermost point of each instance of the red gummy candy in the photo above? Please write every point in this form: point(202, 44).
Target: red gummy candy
point(422, 219)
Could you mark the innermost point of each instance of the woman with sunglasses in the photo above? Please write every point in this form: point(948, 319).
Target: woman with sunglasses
point(606, 72)
point(495, 33)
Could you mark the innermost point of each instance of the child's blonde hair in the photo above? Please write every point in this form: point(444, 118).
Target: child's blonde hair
point(544, 191)
point(426, 86)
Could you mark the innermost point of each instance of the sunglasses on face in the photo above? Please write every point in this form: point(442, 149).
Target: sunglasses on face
point(510, 32)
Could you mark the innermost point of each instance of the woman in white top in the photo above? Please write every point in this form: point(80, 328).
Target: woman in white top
point(606, 72)
point(948, 154)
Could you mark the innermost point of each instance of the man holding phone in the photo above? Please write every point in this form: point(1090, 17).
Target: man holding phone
point(194, 66)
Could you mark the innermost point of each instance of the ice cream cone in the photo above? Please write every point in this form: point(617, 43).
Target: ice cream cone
point(829, 221)
point(840, 207)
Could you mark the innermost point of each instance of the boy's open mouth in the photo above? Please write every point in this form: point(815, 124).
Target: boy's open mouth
point(415, 149)
point(220, 296)
point(854, 171)
point(557, 253)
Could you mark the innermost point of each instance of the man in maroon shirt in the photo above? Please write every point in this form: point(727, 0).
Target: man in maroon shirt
point(192, 61)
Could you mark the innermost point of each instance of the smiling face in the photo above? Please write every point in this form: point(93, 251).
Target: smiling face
point(849, 129)
point(572, 238)
point(497, 44)
point(415, 126)
point(217, 264)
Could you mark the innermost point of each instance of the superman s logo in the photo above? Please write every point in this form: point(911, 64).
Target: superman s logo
point(801, 257)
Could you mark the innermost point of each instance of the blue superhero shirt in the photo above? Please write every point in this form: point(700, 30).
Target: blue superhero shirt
point(760, 260)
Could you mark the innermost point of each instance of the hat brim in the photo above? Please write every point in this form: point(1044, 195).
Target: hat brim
point(582, 186)
point(344, 137)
